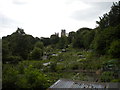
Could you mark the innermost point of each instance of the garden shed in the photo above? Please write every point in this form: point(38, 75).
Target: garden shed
point(72, 84)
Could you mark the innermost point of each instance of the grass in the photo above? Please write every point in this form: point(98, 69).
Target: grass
point(69, 65)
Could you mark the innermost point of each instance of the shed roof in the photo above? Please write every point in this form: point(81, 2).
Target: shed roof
point(65, 83)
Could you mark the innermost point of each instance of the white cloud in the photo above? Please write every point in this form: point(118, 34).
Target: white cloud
point(44, 17)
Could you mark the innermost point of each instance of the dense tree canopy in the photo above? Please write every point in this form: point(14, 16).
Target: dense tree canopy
point(17, 44)
point(112, 18)
point(80, 38)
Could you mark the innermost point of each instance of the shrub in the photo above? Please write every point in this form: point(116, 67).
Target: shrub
point(13, 59)
point(32, 78)
point(75, 66)
point(106, 76)
point(53, 66)
point(9, 76)
point(114, 50)
point(36, 53)
point(116, 80)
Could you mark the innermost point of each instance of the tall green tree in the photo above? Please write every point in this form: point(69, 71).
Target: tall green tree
point(114, 50)
point(104, 39)
point(46, 41)
point(71, 37)
point(62, 42)
point(78, 41)
point(112, 18)
point(88, 38)
point(36, 54)
point(18, 44)
point(39, 45)
point(54, 39)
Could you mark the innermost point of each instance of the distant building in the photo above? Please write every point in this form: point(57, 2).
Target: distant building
point(63, 32)
point(57, 34)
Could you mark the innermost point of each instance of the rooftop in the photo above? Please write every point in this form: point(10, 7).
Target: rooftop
point(65, 83)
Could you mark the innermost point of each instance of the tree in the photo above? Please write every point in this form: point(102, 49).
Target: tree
point(36, 54)
point(78, 41)
point(9, 76)
point(5, 51)
point(18, 44)
point(104, 38)
point(35, 78)
point(54, 39)
point(31, 78)
point(99, 44)
point(39, 45)
point(71, 37)
point(110, 19)
point(114, 50)
point(46, 41)
point(88, 38)
point(62, 42)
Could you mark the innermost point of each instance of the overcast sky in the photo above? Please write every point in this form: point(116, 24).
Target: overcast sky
point(41, 18)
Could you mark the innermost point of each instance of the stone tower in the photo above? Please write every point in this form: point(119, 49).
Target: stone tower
point(63, 32)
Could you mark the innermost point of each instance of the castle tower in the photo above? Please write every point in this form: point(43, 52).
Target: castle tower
point(63, 32)
point(57, 34)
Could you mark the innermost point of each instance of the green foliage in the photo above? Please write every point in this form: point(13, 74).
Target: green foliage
point(115, 80)
point(104, 38)
point(39, 45)
point(5, 51)
point(99, 44)
point(108, 31)
point(83, 38)
point(80, 76)
point(75, 66)
point(54, 39)
point(29, 78)
point(71, 37)
point(112, 18)
point(62, 42)
point(111, 65)
point(46, 41)
point(12, 59)
point(9, 75)
point(24, 64)
point(36, 54)
point(53, 66)
point(107, 76)
point(77, 42)
point(88, 38)
point(32, 78)
point(18, 44)
point(60, 67)
point(114, 50)
point(35, 78)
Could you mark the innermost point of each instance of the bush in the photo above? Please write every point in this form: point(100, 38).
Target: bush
point(27, 77)
point(106, 76)
point(75, 67)
point(53, 66)
point(12, 59)
point(36, 53)
point(9, 76)
point(35, 78)
point(114, 50)
point(116, 80)
point(60, 67)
